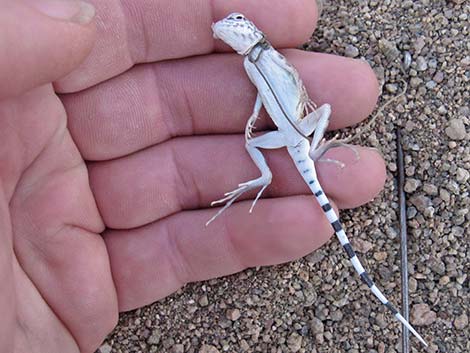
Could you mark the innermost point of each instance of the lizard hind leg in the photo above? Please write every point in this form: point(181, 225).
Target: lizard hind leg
point(270, 140)
point(317, 153)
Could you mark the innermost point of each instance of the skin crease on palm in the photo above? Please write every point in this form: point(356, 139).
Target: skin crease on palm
point(117, 133)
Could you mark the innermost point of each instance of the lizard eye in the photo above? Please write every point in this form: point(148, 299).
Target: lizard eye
point(239, 17)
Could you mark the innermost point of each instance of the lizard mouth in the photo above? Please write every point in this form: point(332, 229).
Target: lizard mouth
point(213, 31)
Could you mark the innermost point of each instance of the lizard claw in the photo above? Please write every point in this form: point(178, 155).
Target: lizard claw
point(231, 196)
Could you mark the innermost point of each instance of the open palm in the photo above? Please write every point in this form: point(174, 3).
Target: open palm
point(82, 240)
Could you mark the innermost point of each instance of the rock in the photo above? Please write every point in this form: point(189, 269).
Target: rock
point(389, 49)
point(391, 88)
point(421, 202)
point(233, 314)
point(462, 175)
point(437, 266)
point(415, 82)
point(413, 285)
point(362, 246)
point(444, 280)
point(351, 51)
point(461, 321)
point(430, 189)
point(353, 29)
point(105, 348)
point(244, 346)
point(411, 185)
point(177, 348)
point(411, 212)
point(380, 256)
point(315, 257)
point(431, 84)
point(316, 326)
point(203, 301)
point(456, 129)
point(207, 348)
point(154, 339)
point(419, 44)
point(422, 315)
point(444, 195)
point(421, 64)
point(294, 342)
point(336, 315)
point(438, 77)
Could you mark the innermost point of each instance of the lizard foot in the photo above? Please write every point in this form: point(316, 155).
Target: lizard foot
point(318, 152)
point(231, 196)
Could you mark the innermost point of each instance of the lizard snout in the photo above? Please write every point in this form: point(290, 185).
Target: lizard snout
point(213, 31)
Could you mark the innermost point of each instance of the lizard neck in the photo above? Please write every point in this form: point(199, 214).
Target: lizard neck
point(254, 52)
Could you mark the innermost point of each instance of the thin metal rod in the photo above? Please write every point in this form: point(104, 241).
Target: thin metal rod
point(403, 246)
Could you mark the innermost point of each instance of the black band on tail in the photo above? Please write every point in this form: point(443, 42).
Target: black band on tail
point(349, 250)
point(336, 226)
point(366, 279)
point(391, 308)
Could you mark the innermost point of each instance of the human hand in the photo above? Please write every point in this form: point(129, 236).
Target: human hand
point(163, 139)
point(56, 293)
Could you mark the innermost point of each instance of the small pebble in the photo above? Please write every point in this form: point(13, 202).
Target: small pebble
point(380, 256)
point(421, 64)
point(462, 175)
point(438, 77)
point(233, 314)
point(362, 246)
point(419, 44)
point(203, 301)
point(391, 88)
point(294, 342)
point(154, 339)
point(316, 326)
point(430, 189)
point(456, 129)
point(421, 202)
point(422, 315)
point(411, 185)
point(351, 51)
point(461, 322)
point(177, 348)
point(105, 348)
point(389, 49)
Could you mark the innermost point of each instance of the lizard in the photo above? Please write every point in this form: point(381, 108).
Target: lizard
point(282, 93)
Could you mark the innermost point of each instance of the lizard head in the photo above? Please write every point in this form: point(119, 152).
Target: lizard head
point(238, 32)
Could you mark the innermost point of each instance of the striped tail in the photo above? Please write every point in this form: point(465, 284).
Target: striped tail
point(307, 170)
point(342, 237)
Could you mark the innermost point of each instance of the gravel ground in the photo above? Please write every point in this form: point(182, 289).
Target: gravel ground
point(317, 304)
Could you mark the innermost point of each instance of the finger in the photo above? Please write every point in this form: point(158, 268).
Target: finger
point(131, 32)
point(56, 221)
point(189, 173)
point(39, 44)
point(203, 95)
point(152, 262)
point(7, 289)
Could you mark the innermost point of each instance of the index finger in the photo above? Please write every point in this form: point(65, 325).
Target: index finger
point(132, 32)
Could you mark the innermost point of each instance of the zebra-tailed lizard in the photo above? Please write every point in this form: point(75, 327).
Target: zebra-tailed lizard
point(283, 95)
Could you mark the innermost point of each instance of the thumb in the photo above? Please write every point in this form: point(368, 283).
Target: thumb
point(41, 41)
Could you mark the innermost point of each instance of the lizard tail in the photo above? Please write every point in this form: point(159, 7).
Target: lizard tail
point(342, 237)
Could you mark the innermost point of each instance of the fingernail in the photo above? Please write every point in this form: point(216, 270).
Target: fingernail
point(76, 11)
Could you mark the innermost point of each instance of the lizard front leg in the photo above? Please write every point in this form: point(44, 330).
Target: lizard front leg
point(270, 140)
